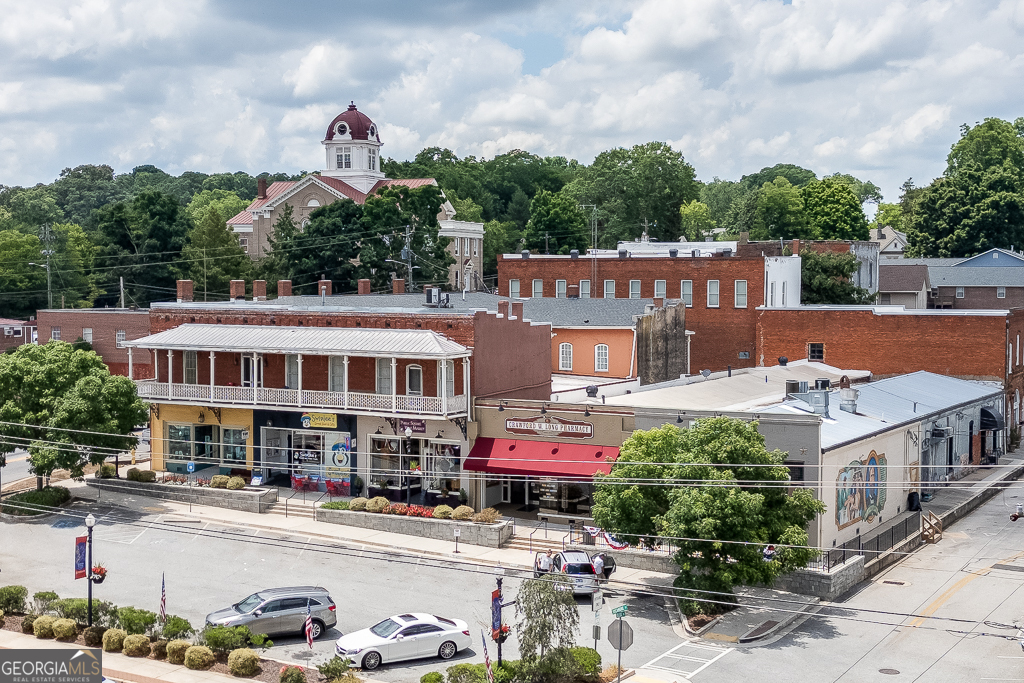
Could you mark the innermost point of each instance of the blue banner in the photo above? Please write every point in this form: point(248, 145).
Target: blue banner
point(81, 570)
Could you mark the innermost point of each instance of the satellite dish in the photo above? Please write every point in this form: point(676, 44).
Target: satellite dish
point(705, 373)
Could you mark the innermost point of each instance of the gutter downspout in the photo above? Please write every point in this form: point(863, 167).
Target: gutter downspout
point(632, 352)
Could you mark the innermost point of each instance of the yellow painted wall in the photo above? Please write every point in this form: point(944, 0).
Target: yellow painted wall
point(229, 417)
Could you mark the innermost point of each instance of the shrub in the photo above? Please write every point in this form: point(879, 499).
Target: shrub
point(508, 671)
point(136, 645)
point(113, 640)
point(462, 513)
point(147, 476)
point(357, 504)
point(292, 674)
point(65, 629)
point(487, 516)
point(160, 649)
point(136, 621)
point(224, 639)
point(432, 677)
point(377, 504)
point(176, 627)
point(35, 502)
point(219, 481)
point(467, 673)
point(198, 657)
point(463, 496)
point(133, 474)
point(106, 471)
point(587, 663)
point(12, 598)
point(44, 601)
point(94, 636)
point(43, 627)
point(420, 511)
point(104, 613)
point(397, 509)
point(1, 618)
point(72, 608)
point(28, 623)
point(176, 651)
point(442, 512)
point(336, 505)
point(235, 483)
point(243, 662)
point(336, 667)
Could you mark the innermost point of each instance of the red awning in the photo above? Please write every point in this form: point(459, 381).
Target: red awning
point(540, 458)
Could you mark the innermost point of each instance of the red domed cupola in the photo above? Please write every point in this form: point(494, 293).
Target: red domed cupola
point(352, 124)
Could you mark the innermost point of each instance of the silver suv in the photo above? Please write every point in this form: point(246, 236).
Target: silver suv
point(280, 611)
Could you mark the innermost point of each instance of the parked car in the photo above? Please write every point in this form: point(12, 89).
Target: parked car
point(280, 611)
point(404, 636)
point(578, 566)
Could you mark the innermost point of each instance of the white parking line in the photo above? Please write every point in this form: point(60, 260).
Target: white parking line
point(681, 658)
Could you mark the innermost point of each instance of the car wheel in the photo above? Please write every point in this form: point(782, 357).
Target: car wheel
point(318, 629)
point(371, 661)
point(447, 650)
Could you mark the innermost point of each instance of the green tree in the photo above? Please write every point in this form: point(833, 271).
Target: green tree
point(557, 224)
point(72, 263)
point(719, 196)
point(546, 615)
point(888, 216)
point(213, 256)
point(695, 221)
point(796, 175)
point(81, 190)
point(465, 209)
point(227, 203)
point(22, 286)
point(993, 143)
point(827, 278)
point(865, 190)
point(328, 246)
point(780, 213)
point(66, 407)
point(518, 209)
point(32, 208)
point(500, 238)
point(834, 211)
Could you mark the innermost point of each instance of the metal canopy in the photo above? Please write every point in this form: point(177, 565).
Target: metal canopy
point(991, 419)
point(308, 340)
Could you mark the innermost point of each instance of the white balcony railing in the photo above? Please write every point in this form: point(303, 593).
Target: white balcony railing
point(331, 400)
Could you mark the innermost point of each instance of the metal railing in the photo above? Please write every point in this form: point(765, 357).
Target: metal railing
point(872, 546)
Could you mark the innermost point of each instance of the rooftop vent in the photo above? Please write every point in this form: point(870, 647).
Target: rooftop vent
point(816, 399)
point(783, 361)
point(525, 253)
point(574, 254)
point(822, 383)
point(592, 391)
point(848, 400)
point(673, 253)
point(623, 253)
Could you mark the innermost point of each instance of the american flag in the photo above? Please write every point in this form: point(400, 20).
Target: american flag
point(163, 599)
point(487, 658)
point(309, 625)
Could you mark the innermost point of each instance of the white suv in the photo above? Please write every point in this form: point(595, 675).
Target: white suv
point(577, 565)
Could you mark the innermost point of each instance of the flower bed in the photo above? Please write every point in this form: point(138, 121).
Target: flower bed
point(248, 500)
point(419, 521)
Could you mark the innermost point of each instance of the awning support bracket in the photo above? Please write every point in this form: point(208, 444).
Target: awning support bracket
point(460, 422)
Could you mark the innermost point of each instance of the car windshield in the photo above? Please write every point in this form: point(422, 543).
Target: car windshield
point(385, 628)
point(579, 569)
point(249, 604)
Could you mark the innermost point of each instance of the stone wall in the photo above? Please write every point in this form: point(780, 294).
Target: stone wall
point(488, 535)
point(825, 585)
point(635, 559)
point(246, 500)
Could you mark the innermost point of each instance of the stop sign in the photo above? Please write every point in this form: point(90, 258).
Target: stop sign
point(620, 635)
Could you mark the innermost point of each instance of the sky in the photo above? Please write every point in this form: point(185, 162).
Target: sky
point(876, 88)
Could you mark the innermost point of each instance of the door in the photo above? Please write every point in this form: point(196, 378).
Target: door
point(405, 644)
point(430, 639)
point(292, 617)
point(506, 490)
point(206, 445)
point(252, 372)
point(267, 621)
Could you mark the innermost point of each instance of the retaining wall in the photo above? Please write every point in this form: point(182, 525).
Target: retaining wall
point(247, 500)
point(825, 585)
point(488, 535)
point(635, 559)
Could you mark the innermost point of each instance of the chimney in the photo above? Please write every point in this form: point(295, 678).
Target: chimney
point(259, 290)
point(879, 233)
point(517, 310)
point(364, 286)
point(796, 247)
point(184, 291)
point(284, 288)
point(398, 286)
point(261, 188)
point(322, 285)
point(503, 308)
point(238, 290)
point(848, 400)
point(573, 292)
point(659, 302)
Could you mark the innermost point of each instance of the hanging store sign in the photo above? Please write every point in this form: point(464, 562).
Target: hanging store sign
point(322, 420)
point(549, 426)
point(417, 426)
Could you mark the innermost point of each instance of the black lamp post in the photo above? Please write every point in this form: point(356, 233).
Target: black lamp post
point(90, 522)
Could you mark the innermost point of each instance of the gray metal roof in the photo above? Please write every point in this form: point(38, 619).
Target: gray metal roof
point(975, 276)
point(312, 340)
point(887, 403)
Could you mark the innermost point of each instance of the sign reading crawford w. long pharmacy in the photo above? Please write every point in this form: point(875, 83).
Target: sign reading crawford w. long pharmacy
point(544, 425)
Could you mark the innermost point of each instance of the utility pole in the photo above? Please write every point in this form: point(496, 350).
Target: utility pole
point(407, 257)
point(47, 231)
point(546, 250)
point(121, 279)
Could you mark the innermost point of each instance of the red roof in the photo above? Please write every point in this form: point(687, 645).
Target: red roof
point(407, 182)
point(10, 322)
point(540, 458)
point(243, 217)
point(278, 187)
point(344, 188)
point(359, 124)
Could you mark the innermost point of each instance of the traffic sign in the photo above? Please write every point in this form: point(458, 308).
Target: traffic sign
point(620, 611)
point(190, 467)
point(597, 634)
point(597, 601)
point(620, 635)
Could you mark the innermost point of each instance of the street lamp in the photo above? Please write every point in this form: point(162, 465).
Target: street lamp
point(90, 522)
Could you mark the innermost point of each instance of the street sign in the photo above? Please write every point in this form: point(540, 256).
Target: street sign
point(620, 611)
point(458, 532)
point(620, 635)
point(597, 601)
point(190, 467)
point(597, 633)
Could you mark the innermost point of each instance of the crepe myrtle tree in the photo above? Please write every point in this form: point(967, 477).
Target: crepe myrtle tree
point(65, 408)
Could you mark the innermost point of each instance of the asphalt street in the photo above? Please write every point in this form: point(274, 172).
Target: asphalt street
point(17, 468)
point(209, 567)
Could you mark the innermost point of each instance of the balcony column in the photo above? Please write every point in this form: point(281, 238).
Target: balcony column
point(344, 386)
point(443, 385)
point(394, 383)
point(465, 382)
point(211, 375)
point(255, 377)
point(131, 375)
point(300, 379)
point(170, 371)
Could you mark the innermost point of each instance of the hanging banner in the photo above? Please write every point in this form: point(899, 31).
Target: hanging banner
point(495, 614)
point(81, 570)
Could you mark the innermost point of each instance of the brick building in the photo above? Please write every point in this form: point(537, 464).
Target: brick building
point(105, 328)
point(993, 279)
point(16, 333)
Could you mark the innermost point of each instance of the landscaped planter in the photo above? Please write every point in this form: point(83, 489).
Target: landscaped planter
point(489, 535)
point(247, 500)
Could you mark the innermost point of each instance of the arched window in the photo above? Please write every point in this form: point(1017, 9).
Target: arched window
point(414, 380)
point(601, 358)
point(565, 356)
point(313, 202)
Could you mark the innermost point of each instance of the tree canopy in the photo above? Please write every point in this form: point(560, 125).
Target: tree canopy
point(834, 211)
point(827, 278)
point(557, 224)
point(213, 256)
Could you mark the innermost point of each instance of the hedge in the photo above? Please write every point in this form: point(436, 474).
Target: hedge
point(43, 627)
point(176, 651)
point(35, 502)
point(113, 640)
point(243, 662)
point(65, 629)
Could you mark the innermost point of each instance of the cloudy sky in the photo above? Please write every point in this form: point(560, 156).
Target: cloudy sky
point(877, 88)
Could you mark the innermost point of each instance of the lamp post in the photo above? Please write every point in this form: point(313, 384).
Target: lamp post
point(90, 522)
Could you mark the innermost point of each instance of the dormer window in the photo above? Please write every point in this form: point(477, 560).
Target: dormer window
point(373, 131)
point(344, 157)
point(342, 128)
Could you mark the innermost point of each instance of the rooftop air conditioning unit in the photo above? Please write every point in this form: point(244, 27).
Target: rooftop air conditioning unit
point(8, 331)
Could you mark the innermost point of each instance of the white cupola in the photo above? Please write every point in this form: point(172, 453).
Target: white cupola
point(353, 146)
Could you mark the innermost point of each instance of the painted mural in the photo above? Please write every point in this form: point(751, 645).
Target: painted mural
point(860, 490)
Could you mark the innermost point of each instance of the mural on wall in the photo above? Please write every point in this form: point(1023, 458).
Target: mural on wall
point(860, 490)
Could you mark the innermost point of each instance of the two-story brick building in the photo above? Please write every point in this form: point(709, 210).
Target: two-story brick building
point(106, 329)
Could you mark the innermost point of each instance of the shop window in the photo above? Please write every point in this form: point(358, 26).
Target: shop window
point(179, 442)
point(234, 446)
point(191, 367)
point(601, 358)
point(584, 289)
point(291, 365)
point(414, 380)
point(565, 357)
point(449, 378)
point(383, 375)
point(443, 467)
point(337, 373)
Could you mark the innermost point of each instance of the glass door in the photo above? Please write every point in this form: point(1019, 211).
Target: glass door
point(252, 372)
point(308, 450)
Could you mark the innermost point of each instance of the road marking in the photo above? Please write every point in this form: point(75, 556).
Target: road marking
point(681, 663)
point(942, 599)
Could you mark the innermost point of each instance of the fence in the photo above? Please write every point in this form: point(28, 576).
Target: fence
point(577, 536)
point(873, 546)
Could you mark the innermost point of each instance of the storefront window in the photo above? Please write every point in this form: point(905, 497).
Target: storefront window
point(384, 464)
point(179, 442)
point(206, 444)
point(234, 445)
point(443, 468)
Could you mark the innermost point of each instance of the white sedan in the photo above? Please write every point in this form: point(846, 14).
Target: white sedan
point(404, 636)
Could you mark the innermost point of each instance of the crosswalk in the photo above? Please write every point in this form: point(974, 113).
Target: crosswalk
point(686, 660)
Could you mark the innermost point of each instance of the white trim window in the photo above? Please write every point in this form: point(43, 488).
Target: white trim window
point(660, 287)
point(1000, 294)
point(959, 292)
point(191, 375)
point(712, 293)
point(686, 292)
point(371, 159)
point(457, 242)
point(634, 289)
point(601, 358)
point(55, 333)
point(344, 157)
point(538, 289)
point(413, 380)
point(740, 294)
point(120, 337)
point(243, 242)
point(291, 371)
point(609, 289)
point(449, 377)
point(565, 356)
point(476, 247)
point(584, 289)
point(383, 375)
point(513, 289)
point(559, 289)
point(336, 371)
point(87, 331)
point(783, 293)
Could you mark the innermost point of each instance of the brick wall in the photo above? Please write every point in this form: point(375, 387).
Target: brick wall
point(982, 297)
point(105, 322)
